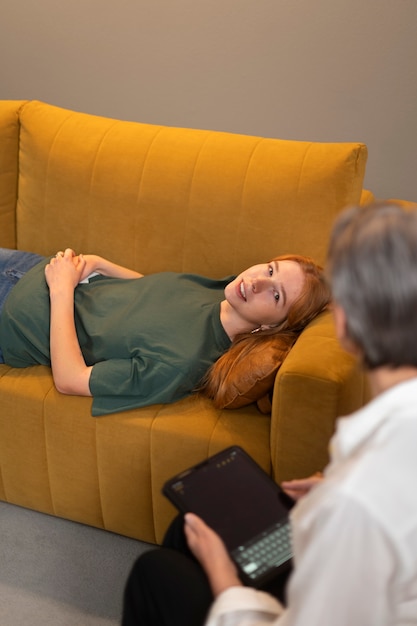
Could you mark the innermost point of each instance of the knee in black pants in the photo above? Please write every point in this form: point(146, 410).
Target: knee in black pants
point(166, 588)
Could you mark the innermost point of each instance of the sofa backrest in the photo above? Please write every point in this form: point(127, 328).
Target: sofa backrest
point(156, 198)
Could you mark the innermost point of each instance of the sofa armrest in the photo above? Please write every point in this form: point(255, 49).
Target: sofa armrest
point(317, 383)
point(9, 170)
point(366, 197)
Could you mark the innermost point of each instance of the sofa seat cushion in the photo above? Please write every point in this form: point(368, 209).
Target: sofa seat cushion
point(108, 472)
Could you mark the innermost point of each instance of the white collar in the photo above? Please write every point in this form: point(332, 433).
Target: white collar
point(354, 430)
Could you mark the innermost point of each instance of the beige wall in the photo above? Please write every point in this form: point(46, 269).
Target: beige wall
point(325, 70)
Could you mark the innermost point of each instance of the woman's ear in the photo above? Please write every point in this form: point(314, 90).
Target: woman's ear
point(267, 326)
point(339, 320)
point(342, 332)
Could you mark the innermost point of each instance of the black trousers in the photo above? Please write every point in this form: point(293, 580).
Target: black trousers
point(168, 587)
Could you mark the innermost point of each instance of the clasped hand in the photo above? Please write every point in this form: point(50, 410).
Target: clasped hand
point(67, 269)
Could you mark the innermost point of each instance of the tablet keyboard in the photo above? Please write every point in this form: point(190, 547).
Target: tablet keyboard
point(267, 551)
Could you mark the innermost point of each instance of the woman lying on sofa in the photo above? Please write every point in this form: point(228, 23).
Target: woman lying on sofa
point(131, 340)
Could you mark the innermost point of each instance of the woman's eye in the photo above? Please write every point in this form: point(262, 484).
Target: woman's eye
point(270, 270)
point(276, 296)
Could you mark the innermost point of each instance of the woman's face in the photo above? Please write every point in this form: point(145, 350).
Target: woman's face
point(262, 294)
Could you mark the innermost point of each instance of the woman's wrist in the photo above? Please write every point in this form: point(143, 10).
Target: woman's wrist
point(61, 292)
point(222, 580)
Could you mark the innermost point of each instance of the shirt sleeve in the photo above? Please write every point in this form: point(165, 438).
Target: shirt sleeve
point(244, 606)
point(344, 566)
point(121, 384)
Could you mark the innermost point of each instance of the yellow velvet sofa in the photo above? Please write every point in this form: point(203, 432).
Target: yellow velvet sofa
point(157, 198)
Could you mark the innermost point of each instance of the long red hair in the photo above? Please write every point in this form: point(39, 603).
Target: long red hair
point(314, 298)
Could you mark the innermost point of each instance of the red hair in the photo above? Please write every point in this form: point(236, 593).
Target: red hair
point(314, 298)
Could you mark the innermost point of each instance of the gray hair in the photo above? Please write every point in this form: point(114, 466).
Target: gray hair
point(372, 268)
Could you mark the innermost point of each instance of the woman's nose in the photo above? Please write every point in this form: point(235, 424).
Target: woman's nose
point(260, 283)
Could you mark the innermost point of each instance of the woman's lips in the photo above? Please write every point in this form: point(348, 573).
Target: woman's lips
point(241, 291)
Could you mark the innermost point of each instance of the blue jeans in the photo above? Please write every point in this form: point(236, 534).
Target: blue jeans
point(13, 265)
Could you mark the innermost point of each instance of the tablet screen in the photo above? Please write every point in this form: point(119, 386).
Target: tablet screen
point(232, 494)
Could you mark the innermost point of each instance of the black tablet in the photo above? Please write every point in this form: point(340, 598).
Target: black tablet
point(234, 496)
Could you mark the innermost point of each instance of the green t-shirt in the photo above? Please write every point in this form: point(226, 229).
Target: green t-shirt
point(150, 340)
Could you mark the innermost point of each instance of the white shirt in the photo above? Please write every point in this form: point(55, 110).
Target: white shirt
point(355, 534)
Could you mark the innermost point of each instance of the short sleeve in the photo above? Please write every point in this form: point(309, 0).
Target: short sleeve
point(121, 384)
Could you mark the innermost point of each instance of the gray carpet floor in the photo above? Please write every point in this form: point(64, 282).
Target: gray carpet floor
point(58, 573)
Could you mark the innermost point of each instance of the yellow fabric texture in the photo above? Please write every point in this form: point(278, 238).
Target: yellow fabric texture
point(157, 198)
point(316, 380)
point(9, 167)
point(202, 201)
point(407, 204)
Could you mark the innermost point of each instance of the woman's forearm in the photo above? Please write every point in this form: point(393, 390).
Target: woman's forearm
point(107, 268)
point(70, 372)
point(210, 551)
point(64, 272)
